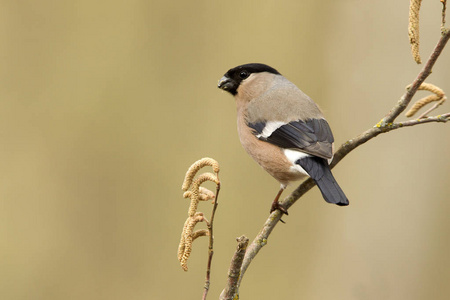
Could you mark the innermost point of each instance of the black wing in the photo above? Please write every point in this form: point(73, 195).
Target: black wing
point(312, 136)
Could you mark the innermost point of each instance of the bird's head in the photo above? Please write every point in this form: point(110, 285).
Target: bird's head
point(233, 79)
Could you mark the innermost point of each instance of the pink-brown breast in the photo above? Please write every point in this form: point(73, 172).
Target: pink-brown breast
point(270, 157)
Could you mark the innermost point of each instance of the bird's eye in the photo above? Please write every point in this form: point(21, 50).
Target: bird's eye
point(243, 74)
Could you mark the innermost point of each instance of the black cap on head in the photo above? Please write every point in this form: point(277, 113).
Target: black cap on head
point(252, 68)
point(232, 79)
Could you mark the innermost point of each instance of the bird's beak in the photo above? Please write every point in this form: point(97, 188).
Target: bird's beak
point(225, 83)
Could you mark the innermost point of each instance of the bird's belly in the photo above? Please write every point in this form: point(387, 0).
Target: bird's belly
point(273, 159)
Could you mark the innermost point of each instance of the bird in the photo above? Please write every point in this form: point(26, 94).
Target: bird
point(282, 129)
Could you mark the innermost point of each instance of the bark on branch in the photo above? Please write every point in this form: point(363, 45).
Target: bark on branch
point(235, 270)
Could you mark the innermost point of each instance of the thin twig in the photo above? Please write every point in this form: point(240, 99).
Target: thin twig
point(385, 125)
point(211, 243)
point(444, 7)
point(441, 118)
point(235, 270)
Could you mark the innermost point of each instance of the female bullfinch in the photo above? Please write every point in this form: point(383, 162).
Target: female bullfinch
point(282, 129)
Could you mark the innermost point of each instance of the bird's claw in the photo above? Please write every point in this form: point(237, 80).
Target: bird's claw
point(280, 207)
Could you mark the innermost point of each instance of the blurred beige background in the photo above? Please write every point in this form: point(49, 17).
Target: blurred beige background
point(105, 104)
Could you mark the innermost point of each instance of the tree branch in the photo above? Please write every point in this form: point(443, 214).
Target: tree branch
point(385, 125)
point(235, 268)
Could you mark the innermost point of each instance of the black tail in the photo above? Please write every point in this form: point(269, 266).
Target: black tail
point(318, 169)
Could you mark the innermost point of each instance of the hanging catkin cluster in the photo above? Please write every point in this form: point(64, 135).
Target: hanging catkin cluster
point(196, 193)
point(438, 96)
point(413, 29)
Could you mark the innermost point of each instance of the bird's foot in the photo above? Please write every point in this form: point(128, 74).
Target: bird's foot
point(276, 205)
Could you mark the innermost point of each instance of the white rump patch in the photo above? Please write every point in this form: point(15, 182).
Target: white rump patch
point(270, 128)
point(293, 156)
